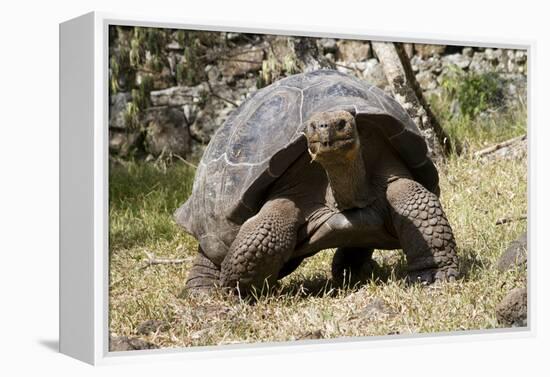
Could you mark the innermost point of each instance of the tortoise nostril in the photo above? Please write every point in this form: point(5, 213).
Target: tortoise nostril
point(323, 125)
point(341, 124)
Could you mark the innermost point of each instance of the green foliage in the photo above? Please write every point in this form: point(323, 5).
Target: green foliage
point(197, 50)
point(475, 92)
point(474, 125)
point(281, 61)
point(131, 116)
point(147, 48)
point(138, 56)
point(135, 52)
point(121, 71)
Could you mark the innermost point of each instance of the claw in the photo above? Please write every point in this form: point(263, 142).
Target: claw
point(431, 276)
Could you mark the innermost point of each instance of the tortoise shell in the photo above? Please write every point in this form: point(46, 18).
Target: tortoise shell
point(265, 135)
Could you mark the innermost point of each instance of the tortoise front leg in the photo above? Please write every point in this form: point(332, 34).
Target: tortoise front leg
point(264, 244)
point(423, 231)
point(204, 274)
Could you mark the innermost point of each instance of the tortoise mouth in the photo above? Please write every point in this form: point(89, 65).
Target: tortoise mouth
point(317, 147)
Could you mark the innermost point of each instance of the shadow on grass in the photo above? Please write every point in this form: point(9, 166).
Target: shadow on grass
point(469, 262)
point(299, 287)
point(322, 286)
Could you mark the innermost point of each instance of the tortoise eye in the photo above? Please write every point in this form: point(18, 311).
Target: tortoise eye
point(341, 124)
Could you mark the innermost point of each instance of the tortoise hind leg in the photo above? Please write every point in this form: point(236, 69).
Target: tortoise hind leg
point(424, 232)
point(290, 266)
point(352, 266)
point(204, 274)
point(264, 244)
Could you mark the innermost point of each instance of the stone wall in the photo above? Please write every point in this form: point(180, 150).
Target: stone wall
point(188, 97)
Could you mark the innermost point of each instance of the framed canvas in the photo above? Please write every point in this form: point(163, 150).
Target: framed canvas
point(241, 189)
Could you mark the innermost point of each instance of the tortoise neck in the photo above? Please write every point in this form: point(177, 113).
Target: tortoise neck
point(348, 181)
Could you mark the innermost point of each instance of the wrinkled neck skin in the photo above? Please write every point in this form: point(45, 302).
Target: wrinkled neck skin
point(348, 180)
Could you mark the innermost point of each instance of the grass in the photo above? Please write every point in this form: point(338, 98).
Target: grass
point(305, 305)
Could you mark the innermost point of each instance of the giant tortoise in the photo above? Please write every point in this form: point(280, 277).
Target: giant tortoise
point(315, 161)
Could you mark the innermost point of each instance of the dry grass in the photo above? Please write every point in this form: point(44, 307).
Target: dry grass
point(305, 305)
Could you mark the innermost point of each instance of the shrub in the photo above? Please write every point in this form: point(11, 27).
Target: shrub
point(475, 92)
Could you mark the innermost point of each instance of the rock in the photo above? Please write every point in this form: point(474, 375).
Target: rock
point(163, 79)
point(515, 255)
point(308, 55)
point(208, 122)
point(213, 73)
point(174, 46)
point(361, 66)
point(512, 310)
point(286, 56)
point(415, 63)
point(122, 139)
point(468, 51)
point(515, 88)
point(233, 36)
point(117, 109)
point(479, 64)
point(122, 142)
point(317, 334)
point(493, 55)
point(178, 95)
point(243, 61)
point(152, 326)
point(280, 60)
point(520, 56)
point(125, 343)
point(460, 60)
point(327, 45)
point(353, 51)
point(426, 80)
point(427, 50)
point(374, 74)
point(167, 131)
point(431, 64)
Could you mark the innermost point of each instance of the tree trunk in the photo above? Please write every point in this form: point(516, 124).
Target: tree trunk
point(407, 91)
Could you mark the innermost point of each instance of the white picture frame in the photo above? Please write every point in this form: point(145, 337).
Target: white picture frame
point(84, 254)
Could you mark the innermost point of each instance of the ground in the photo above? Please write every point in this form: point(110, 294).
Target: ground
point(476, 193)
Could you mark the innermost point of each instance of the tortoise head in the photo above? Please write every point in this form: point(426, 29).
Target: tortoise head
point(333, 141)
point(332, 137)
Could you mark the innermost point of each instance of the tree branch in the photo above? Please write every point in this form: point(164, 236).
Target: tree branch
point(152, 260)
point(498, 146)
point(506, 220)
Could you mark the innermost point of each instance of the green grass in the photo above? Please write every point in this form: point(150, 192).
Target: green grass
point(143, 197)
point(305, 305)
